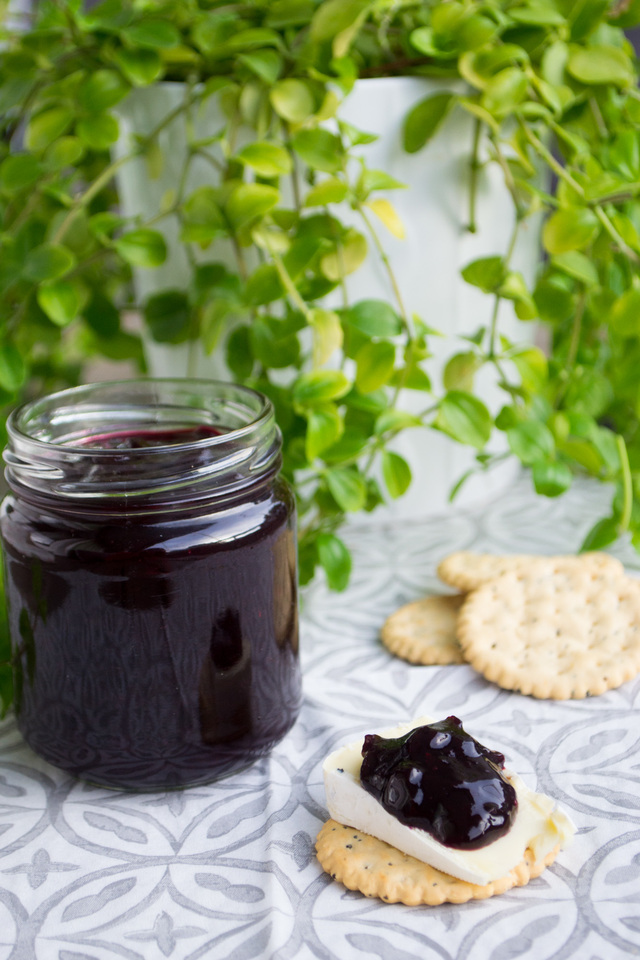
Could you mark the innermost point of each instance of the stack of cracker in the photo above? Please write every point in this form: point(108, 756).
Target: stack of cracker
point(560, 628)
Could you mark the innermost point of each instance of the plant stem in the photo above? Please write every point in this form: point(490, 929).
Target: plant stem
point(550, 160)
point(615, 236)
point(558, 169)
point(576, 330)
point(474, 169)
point(627, 484)
point(389, 269)
point(492, 355)
point(85, 199)
point(289, 285)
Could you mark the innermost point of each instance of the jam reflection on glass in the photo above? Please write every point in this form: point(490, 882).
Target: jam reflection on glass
point(158, 647)
point(441, 780)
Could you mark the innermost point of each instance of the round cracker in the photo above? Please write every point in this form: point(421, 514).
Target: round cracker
point(555, 632)
point(467, 571)
point(424, 631)
point(375, 868)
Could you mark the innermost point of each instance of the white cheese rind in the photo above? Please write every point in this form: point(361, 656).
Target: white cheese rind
point(539, 823)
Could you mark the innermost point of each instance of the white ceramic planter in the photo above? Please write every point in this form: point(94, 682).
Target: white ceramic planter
point(427, 263)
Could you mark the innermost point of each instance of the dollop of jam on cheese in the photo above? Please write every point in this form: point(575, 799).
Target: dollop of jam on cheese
point(440, 779)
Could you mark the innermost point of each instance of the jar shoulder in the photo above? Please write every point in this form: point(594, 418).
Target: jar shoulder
point(211, 526)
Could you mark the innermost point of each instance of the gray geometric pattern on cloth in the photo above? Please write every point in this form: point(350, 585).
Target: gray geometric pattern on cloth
point(229, 871)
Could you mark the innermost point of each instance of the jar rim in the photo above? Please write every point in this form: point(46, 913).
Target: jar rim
point(16, 428)
point(50, 449)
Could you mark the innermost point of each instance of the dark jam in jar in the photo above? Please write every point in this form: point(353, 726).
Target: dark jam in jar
point(441, 780)
point(150, 567)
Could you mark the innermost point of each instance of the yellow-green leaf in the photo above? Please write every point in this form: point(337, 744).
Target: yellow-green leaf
point(386, 212)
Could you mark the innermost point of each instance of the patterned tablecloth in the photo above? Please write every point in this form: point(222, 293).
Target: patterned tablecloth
point(228, 870)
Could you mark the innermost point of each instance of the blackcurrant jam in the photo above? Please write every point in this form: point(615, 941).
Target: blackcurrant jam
point(440, 779)
point(150, 566)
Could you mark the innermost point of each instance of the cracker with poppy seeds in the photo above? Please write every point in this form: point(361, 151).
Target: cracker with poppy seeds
point(467, 571)
point(424, 632)
point(558, 632)
point(375, 868)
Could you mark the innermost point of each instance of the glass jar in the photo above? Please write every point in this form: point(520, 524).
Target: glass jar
point(150, 565)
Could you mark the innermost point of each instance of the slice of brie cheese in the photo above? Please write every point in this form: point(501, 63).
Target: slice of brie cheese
point(539, 823)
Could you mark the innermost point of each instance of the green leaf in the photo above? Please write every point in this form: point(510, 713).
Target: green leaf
point(19, 171)
point(505, 91)
point(324, 428)
point(319, 149)
point(371, 180)
point(60, 300)
point(554, 301)
point(351, 254)
point(335, 560)
point(99, 131)
point(12, 368)
point(531, 441)
point(249, 202)
point(375, 318)
point(396, 473)
point(486, 272)
point(239, 355)
point(319, 386)
point(578, 266)
point(327, 334)
point(569, 228)
point(328, 191)
point(168, 316)
point(213, 322)
point(47, 126)
point(267, 159)
point(347, 488)
point(272, 343)
point(48, 262)
point(266, 64)
point(423, 121)
point(289, 13)
point(388, 215)
point(141, 66)
point(159, 34)
point(537, 14)
point(64, 152)
point(263, 286)
point(102, 315)
point(601, 65)
point(374, 365)
point(253, 37)
point(601, 534)
point(460, 370)
point(625, 314)
point(335, 16)
point(393, 420)
point(531, 364)
point(142, 248)
point(101, 91)
point(551, 478)
point(514, 288)
point(292, 100)
point(202, 219)
point(464, 418)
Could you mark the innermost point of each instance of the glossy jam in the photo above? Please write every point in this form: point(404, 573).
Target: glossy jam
point(440, 779)
point(143, 439)
point(156, 648)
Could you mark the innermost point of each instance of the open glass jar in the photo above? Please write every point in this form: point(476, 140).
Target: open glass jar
point(150, 566)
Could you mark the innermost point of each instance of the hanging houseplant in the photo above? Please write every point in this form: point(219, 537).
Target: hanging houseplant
point(293, 211)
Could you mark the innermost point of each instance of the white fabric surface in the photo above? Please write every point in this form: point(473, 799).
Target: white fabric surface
point(228, 870)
